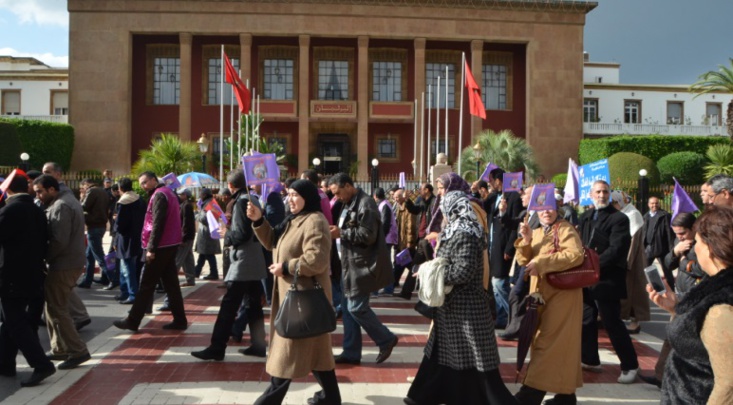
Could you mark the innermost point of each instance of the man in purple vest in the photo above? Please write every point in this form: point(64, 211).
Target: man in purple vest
point(160, 238)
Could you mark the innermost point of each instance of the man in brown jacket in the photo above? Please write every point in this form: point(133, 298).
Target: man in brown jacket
point(95, 203)
point(406, 234)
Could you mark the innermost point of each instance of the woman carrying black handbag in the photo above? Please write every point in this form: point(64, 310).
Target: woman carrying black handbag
point(302, 243)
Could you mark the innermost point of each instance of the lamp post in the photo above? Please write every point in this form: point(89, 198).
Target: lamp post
point(477, 156)
point(414, 169)
point(203, 143)
point(375, 174)
point(24, 157)
point(316, 163)
point(643, 192)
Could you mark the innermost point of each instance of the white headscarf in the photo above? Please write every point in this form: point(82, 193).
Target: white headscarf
point(636, 221)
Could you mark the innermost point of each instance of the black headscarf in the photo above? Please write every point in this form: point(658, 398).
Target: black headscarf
point(309, 192)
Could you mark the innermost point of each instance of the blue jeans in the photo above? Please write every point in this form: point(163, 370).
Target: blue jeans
point(95, 251)
point(356, 315)
point(501, 295)
point(128, 278)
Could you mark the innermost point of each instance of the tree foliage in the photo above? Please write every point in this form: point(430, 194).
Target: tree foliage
point(721, 160)
point(167, 154)
point(504, 150)
point(718, 81)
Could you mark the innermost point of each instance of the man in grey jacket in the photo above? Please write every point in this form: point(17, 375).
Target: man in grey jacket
point(366, 268)
point(65, 264)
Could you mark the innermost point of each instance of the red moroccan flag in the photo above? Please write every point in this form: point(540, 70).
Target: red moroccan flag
point(240, 90)
point(476, 106)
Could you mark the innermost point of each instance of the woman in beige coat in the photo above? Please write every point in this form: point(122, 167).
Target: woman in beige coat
point(555, 359)
point(301, 243)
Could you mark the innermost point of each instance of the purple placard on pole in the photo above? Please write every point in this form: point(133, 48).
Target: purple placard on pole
point(543, 198)
point(171, 181)
point(403, 183)
point(260, 169)
point(513, 181)
point(403, 258)
point(213, 225)
point(489, 167)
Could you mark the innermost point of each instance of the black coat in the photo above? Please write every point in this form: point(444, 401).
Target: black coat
point(662, 240)
point(690, 273)
point(23, 245)
point(612, 240)
point(504, 231)
point(129, 227)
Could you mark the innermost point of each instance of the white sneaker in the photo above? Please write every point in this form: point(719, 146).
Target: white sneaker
point(628, 377)
point(594, 369)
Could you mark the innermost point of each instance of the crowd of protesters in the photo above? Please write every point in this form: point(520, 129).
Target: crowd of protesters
point(490, 250)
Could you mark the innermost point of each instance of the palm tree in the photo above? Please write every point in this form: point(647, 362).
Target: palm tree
point(504, 150)
point(720, 81)
point(167, 154)
point(721, 160)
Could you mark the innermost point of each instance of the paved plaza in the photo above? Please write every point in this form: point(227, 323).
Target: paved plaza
point(154, 366)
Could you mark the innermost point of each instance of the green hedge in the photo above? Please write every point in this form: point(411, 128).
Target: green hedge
point(686, 167)
point(654, 147)
point(10, 148)
point(560, 180)
point(624, 169)
point(44, 141)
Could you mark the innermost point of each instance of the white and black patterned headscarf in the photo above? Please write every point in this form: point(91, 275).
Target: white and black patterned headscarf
point(460, 215)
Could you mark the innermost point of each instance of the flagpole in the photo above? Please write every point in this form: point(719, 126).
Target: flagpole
point(414, 143)
point(460, 112)
point(221, 118)
point(437, 119)
point(446, 112)
point(258, 124)
point(254, 115)
point(422, 134)
point(231, 130)
point(430, 104)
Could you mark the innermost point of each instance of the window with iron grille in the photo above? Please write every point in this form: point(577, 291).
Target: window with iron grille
point(166, 81)
point(387, 81)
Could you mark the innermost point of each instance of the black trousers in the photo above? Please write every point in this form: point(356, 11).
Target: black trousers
point(163, 269)
point(237, 291)
point(19, 331)
point(275, 393)
point(610, 311)
point(517, 303)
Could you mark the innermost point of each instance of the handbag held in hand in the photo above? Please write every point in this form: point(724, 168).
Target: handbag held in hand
point(585, 275)
point(305, 313)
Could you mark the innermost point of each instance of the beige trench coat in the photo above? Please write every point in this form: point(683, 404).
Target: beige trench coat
point(555, 358)
point(306, 246)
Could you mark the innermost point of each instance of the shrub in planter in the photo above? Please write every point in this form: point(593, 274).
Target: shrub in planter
point(686, 167)
point(624, 169)
point(11, 148)
point(560, 180)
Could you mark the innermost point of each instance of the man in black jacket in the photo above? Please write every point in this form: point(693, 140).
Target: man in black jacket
point(606, 230)
point(658, 237)
point(184, 255)
point(23, 239)
point(366, 268)
point(501, 210)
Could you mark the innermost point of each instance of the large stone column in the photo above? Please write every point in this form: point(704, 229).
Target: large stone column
point(362, 106)
point(245, 59)
point(184, 103)
point(419, 82)
point(477, 50)
point(303, 102)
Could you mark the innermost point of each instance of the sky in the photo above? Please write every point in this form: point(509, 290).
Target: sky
point(655, 41)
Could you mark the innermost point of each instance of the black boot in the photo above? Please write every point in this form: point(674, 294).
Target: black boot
point(529, 396)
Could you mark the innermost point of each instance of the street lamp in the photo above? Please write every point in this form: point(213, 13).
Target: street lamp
point(316, 163)
point(375, 174)
point(477, 156)
point(24, 157)
point(414, 169)
point(203, 143)
point(643, 191)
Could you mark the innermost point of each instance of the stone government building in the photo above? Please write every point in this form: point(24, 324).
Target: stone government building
point(337, 78)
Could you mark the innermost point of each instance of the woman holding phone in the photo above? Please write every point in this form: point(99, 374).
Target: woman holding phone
point(700, 365)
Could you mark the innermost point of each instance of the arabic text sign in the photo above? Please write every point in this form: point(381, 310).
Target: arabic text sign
point(588, 174)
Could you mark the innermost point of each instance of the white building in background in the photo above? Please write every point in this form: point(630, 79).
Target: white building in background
point(613, 108)
point(30, 89)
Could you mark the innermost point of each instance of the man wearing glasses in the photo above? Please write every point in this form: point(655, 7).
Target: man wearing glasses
point(721, 190)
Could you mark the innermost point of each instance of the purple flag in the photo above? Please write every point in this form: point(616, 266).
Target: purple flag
point(213, 225)
point(512, 181)
point(489, 167)
point(681, 201)
point(571, 186)
point(403, 258)
point(403, 183)
point(543, 198)
point(171, 181)
point(260, 169)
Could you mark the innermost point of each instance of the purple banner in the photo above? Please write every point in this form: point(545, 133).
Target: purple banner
point(260, 169)
point(489, 167)
point(213, 225)
point(543, 198)
point(513, 181)
point(171, 181)
point(403, 183)
point(403, 258)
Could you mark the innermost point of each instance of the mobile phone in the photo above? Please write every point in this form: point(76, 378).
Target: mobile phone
point(652, 275)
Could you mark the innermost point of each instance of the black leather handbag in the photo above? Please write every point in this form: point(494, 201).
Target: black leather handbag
point(305, 313)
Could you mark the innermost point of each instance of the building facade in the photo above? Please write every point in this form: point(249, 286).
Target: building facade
point(613, 108)
point(337, 80)
point(30, 89)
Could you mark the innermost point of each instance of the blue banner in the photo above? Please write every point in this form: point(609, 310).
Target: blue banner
point(589, 173)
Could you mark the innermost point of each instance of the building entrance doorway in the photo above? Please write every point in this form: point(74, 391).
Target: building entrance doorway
point(333, 149)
